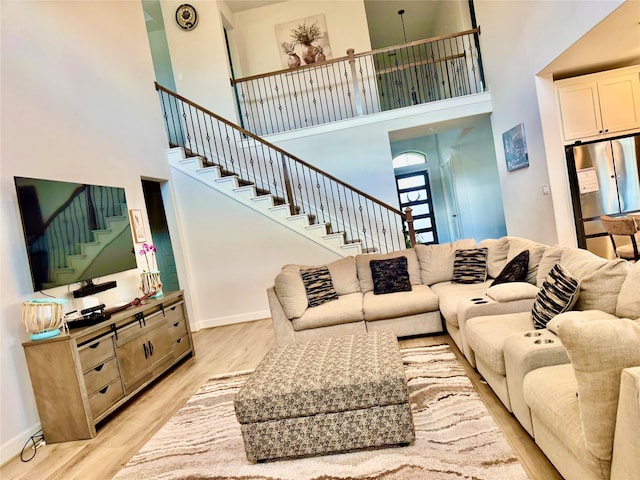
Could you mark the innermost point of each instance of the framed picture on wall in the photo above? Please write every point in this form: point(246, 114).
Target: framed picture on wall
point(137, 226)
point(515, 148)
point(303, 42)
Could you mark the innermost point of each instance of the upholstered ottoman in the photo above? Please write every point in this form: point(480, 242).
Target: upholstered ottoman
point(326, 396)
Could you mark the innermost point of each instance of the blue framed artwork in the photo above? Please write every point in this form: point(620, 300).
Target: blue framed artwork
point(515, 148)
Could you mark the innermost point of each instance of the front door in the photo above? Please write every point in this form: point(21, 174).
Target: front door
point(414, 191)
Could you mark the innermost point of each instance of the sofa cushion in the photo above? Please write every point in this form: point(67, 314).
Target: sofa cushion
point(550, 393)
point(598, 351)
point(470, 266)
point(318, 286)
point(420, 299)
point(550, 257)
point(486, 336)
point(600, 279)
point(497, 256)
point(291, 292)
point(290, 289)
point(451, 294)
point(346, 309)
point(515, 270)
point(628, 304)
point(508, 292)
point(586, 315)
point(536, 250)
point(436, 261)
point(559, 293)
point(364, 268)
point(390, 275)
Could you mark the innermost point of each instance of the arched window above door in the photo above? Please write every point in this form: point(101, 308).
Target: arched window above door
point(409, 158)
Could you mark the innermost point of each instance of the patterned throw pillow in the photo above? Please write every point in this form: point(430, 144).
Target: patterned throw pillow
point(390, 275)
point(559, 293)
point(318, 285)
point(470, 266)
point(514, 271)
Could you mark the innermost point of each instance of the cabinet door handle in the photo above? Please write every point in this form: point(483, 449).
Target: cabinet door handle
point(146, 352)
point(176, 324)
point(104, 390)
point(95, 345)
point(150, 348)
point(179, 340)
point(99, 368)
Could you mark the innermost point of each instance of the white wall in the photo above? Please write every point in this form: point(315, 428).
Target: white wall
point(255, 35)
point(78, 104)
point(199, 58)
point(234, 262)
point(519, 38)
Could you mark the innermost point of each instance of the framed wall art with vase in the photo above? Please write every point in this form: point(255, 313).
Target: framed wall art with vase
point(303, 42)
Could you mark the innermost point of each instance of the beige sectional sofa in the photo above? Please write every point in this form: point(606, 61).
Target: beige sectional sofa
point(545, 376)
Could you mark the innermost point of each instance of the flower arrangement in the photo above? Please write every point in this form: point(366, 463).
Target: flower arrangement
point(288, 47)
point(149, 251)
point(305, 35)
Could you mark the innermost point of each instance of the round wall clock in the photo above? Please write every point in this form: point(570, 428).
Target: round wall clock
point(186, 17)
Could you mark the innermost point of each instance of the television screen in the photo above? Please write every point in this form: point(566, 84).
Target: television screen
point(73, 231)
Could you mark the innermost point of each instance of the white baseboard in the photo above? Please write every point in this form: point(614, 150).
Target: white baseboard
point(13, 446)
point(231, 319)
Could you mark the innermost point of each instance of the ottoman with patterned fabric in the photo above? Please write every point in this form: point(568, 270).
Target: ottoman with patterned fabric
point(326, 396)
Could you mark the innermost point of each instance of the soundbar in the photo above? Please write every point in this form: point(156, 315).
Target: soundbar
point(90, 288)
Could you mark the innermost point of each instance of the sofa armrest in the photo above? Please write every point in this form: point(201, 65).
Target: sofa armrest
point(625, 463)
point(282, 327)
point(524, 352)
point(470, 308)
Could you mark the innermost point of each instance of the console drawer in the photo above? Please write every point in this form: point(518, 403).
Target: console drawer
point(180, 346)
point(177, 329)
point(105, 397)
point(96, 352)
point(101, 375)
point(174, 313)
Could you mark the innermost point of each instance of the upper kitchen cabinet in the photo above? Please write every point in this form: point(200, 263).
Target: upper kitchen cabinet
point(599, 105)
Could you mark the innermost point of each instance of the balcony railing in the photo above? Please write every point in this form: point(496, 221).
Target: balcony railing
point(360, 84)
point(307, 190)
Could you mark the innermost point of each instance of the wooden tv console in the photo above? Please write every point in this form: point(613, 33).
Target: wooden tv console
point(80, 378)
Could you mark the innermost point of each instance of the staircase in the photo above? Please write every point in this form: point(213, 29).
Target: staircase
point(277, 184)
point(266, 203)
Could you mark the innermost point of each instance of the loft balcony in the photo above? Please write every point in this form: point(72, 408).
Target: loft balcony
point(361, 84)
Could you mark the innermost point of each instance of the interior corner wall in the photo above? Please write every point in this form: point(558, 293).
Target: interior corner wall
point(199, 58)
point(78, 105)
point(255, 30)
point(518, 40)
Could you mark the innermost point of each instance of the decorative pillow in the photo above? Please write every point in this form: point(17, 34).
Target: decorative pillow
point(514, 271)
point(599, 350)
point(558, 293)
point(390, 275)
point(470, 266)
point(318, 285)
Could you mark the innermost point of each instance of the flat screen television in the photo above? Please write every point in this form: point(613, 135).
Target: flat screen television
point(74, 233)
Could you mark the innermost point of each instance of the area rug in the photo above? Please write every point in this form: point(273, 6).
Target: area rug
point(456, 437)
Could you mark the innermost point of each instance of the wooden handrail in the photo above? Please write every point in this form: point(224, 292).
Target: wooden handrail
point(355, 55)
point(247, 133)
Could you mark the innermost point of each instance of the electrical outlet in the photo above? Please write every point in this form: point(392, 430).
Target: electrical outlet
point(545, 189)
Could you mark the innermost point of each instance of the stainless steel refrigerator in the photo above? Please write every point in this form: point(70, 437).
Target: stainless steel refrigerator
point(605, 180)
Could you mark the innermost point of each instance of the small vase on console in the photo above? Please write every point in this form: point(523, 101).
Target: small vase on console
point(150, 282)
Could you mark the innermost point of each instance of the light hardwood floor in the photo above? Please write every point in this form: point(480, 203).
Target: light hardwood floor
point(218, 350)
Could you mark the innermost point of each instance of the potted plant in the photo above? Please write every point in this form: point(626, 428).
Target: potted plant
point(319, 51)
point(305, 35)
